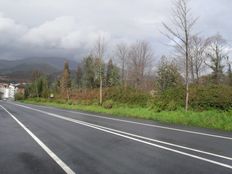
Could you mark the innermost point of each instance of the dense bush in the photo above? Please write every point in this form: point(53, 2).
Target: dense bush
point(19, 96)
point(128, 96)
point(169, 100)
point(200, 98)
point(211, 96)
point(108, 104)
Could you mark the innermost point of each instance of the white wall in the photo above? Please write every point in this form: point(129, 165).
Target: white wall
point(9, 92)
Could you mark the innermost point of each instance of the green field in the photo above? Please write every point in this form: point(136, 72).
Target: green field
point(213, 119)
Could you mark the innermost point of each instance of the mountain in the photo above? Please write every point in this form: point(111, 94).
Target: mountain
point(56, 62)
point(21, 70)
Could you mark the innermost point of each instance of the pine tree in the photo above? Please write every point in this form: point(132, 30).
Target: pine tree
point(167, 75)
point(112, 74)
point(88, 72)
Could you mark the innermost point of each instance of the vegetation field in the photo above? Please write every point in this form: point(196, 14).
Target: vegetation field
point(213, 119)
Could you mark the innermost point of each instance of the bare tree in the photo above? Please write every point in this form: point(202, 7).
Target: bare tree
point(198, 47)
point(229, 71)
point(140, 61)
point(121, 54)
point(99, 52)
point(180, 34)
point(216, 53)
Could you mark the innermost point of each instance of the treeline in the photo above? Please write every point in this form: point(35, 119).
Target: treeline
point(87, 75)
point(197, 75)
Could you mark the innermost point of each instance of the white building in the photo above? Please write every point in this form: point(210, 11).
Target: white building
point(12, 91)
point(8, 91)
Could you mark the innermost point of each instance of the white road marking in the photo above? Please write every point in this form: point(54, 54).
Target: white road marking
point(163, 142)
point(125, 135)
point(43, 146)
point(145, 124)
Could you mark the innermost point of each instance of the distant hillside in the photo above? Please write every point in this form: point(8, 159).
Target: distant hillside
point(56, 62)
point(21, 70)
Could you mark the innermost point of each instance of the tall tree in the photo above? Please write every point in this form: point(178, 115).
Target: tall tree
point(180, 34)
point(88, 72)
point(229, 72)
point(112, 74)
point(216, 57)
point(65, 82)
point(198, 47)
point(39, 85)
point(99, 52)
point(45, 87)
point(35, 83)
point(140, 62)
point(121, 54)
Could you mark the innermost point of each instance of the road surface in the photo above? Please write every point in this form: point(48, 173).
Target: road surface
point(38, 139)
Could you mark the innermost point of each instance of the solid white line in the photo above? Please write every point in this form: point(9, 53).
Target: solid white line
point(43, 146)
point(163, 142)
point(157, 126)
point(132, 138)
point(153, 140)
point(144, 124)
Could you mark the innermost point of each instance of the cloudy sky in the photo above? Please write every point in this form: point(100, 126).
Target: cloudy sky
point(69, 28)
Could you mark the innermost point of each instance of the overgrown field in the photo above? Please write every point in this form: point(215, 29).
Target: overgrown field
point(211, 118)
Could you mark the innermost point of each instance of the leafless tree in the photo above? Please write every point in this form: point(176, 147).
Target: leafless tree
point(198, 47)
point(217, 55)
point(121, 54)
point(180, 33)
point(229, 71)
point(99, 53)
point(140, 61)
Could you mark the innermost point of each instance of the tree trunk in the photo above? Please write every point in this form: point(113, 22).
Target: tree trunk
point(187, 70)
point(67, 92)
point(100, 91)
point(123, 74)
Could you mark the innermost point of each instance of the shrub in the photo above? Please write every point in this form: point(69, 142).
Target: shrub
point(70, 102)
point(19, 96)
point(61, 101)
point(172, 106)
point(158, 106)
point(200, 98)
point(169, 100)
point(87, 102)
point(211, 96)
point(108, 104)
point(128, 96)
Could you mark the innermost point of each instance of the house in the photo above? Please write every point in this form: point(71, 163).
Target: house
point(12, 91)
point(4, 90)
point(8, 91)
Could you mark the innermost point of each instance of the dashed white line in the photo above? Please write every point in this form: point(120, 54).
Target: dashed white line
point(64, 166)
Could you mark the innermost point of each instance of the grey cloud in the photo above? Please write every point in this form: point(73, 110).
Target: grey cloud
point(70, 27)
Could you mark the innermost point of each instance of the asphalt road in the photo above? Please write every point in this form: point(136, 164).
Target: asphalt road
point(37, 139)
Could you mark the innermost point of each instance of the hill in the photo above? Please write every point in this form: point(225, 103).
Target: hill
point(21, 70)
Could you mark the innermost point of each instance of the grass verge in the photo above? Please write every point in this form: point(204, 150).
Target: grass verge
point(212, 119)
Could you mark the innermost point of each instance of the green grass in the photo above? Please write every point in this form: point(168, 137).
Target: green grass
point(212, 119)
